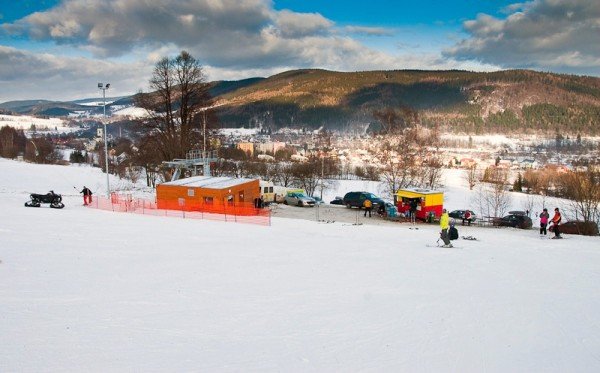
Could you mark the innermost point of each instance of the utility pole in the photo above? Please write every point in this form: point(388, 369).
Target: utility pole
point(104, 87)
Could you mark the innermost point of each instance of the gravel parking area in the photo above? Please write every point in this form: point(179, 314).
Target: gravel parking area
point(329, 213)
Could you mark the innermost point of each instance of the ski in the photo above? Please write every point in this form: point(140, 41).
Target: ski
point(442, 247)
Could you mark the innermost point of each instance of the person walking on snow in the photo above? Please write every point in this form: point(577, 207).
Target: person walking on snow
point(444, 225)
point(544, 216)
point(556, 221)
point(368, 205)
point(87, 195)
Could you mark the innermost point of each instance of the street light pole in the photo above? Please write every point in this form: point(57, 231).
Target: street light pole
point(104, 87)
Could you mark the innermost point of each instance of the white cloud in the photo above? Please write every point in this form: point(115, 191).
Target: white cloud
point(294, 25)
point(232, 39)
point(559, 35)
point(370, 31)
point(25, 75)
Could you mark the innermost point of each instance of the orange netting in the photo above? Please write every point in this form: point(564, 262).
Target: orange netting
point(241, 213)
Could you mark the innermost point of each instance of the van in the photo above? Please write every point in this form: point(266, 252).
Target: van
point(266, 189)
point(357, 199)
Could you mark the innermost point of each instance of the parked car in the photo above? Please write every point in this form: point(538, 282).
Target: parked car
point(460, 215)
point(298, 199)
point(514, 220)
point(356, 199)
point(588, 228)
point(318, 200)
point(337, 201)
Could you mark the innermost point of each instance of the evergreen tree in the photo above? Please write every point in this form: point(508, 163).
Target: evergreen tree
point(518, 184)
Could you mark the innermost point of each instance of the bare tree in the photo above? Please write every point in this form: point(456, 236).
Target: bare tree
point(472, 176)
point(492, 197)
point(283, 174)
point(306, 176)
point(180, 93)
point(431, 173)
point(146, 157)
point(409, 160)
point(529, 203)
point(583, 188)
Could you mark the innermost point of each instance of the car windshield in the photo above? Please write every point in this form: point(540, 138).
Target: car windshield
point(371, 195)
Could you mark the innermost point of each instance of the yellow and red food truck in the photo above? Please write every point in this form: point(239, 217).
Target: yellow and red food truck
point(423, 201)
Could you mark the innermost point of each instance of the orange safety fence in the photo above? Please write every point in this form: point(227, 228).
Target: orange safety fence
point(240, 212)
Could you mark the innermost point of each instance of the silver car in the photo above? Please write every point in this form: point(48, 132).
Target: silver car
point(298, 199)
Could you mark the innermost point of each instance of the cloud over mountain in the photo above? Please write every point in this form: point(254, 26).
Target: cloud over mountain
point(562, 35)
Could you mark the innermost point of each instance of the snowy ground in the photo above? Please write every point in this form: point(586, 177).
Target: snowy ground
point(90, 290)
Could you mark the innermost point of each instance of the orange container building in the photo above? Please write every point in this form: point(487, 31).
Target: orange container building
point(208, 193)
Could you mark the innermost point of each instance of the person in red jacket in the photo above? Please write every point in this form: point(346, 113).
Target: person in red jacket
point(556, 221)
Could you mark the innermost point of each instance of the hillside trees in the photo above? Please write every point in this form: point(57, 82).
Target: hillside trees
point(12, 142)
point(583, 189)
point(175, 106)
point(395, 120)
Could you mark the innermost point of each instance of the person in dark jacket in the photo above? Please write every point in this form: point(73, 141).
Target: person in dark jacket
point(87, 195)
point(413, 209)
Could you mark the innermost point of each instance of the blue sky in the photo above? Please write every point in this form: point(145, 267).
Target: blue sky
point(69, 45)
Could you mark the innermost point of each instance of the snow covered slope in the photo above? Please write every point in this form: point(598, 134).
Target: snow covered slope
point(90, 290)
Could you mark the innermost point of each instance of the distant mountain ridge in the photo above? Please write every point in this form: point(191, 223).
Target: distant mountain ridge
point(474, 102)
point(512, 100)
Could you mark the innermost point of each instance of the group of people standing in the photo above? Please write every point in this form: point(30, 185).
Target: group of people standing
point(544, 221)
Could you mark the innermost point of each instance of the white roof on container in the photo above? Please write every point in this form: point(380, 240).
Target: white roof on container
point(420, 190)
point(209, 182)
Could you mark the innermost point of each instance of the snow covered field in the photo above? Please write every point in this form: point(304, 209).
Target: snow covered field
point(90, 290)
point(42, 125)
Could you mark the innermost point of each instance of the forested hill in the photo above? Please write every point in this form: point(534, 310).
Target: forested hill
point(503, 101)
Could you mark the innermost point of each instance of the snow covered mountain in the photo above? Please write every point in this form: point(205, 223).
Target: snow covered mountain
point(90, 290)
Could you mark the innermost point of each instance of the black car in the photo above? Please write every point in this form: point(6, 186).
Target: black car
point(357, 199)
point(460, 215)
point(514, 220)
point(337, 201)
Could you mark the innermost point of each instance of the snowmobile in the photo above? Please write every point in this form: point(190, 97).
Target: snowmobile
point(55, 200)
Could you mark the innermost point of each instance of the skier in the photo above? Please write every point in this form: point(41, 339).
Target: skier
point(544, 216)
point(368, 205)
point(87, 196)
point(556, 221)
point(444, 224)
